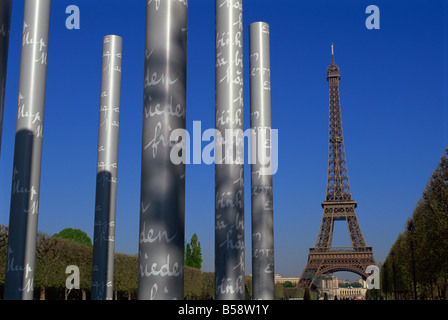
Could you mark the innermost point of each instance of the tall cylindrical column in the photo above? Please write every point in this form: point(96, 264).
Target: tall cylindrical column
point(106, 179)
point(5, 22)
point(229, 170)
point(19, 281)
point(162, 202)
point(261, 177)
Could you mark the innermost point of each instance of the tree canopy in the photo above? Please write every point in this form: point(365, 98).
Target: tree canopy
point(193, 253)
point(420, 252)
point(76, 235)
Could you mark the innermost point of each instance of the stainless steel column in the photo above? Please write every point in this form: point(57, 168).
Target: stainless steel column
point(229, 171)
point(261, 183)
point(5, 22)
point(162, 206)
point(19, 281)
point(106, 179)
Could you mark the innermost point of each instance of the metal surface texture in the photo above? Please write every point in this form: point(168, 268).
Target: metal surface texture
point(107, 169)
point(19, 280)
point(5, 23)
point(338, 204)
point(261, 184)
point(162, 206)
point(229, 170)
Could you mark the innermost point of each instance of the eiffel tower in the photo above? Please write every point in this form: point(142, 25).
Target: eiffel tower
point(338, 205)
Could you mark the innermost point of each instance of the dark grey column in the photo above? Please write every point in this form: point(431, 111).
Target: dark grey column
point(162, 206)
point(106, 179)
point(19, 282)
point(229, 171)
point(5, 22)
point(261, 177)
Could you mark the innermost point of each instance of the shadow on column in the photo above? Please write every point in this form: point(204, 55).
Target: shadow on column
point(18, 221)
point(101, 235)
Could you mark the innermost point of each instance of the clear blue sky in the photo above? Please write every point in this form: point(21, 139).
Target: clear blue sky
point(394, 97)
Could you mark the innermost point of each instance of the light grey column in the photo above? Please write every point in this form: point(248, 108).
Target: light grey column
point(106, 179)
point(162, 202)
point(261, 183)
point(5, 22)
point(229, 170)
point(19, 282)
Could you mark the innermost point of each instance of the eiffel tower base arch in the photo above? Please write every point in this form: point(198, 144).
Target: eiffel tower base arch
point(322, 261)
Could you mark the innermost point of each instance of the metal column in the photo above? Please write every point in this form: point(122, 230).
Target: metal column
point(229, 170)
point(5, 22)
point(261, 183)
point(19, 280)
point(106, 179)
point(162, 206)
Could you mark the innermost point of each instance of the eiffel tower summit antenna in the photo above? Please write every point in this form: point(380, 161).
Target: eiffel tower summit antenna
point(338, 204)
point(332, 54)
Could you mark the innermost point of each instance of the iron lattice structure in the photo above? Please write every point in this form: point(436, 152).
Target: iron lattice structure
point(338, 204)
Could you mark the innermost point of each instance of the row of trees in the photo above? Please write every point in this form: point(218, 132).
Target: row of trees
point(73, 247)
point(417, 264)
point(53, 255)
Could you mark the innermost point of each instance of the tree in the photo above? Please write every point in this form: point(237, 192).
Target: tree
point(420, 252)
point(79, 255)
point(193, 253)
point(47, 256)
point(125, 274)
point(192, 283)
point(278, 292)
point(76, 235)
point(431, 231)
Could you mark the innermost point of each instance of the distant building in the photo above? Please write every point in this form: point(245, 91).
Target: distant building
point(281, 280)
point(329, 282)
point(351, 293)
point(330, 286)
